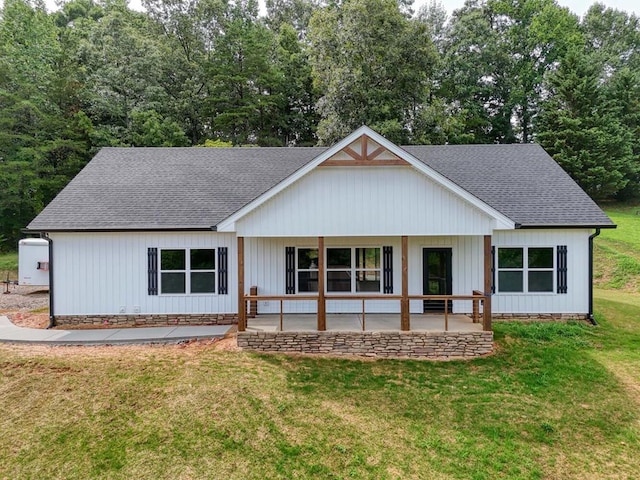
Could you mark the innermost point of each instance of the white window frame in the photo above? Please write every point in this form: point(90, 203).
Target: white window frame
point(525, 269)
point(188, 271)
point(353, 270)
point(298, 269)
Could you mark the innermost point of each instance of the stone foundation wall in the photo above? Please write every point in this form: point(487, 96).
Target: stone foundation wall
point(148, 320)
point(539, 316)
point(373, 344)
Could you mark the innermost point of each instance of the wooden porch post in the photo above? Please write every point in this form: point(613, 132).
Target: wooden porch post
point(242, 305)
point(322, 307)
point(404, 302)
point(488, 277)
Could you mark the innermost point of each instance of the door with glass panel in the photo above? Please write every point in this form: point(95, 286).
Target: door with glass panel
point(436, 268)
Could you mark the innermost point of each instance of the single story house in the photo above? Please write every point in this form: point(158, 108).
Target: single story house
point(154, 235)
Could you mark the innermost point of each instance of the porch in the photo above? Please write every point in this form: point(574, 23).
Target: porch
point(369, 311)
point(426, 335)
point(379, 321)
point(356, 322)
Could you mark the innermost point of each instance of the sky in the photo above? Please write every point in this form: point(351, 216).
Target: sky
point(578, 7)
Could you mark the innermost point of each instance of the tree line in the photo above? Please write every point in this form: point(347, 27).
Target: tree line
point(208, 72)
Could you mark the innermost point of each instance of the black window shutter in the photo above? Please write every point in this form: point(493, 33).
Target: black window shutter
point(493, 269)
point(561, 267)
point(290, 270)
point(152, 270)
point(387, 269)
point(223, 277)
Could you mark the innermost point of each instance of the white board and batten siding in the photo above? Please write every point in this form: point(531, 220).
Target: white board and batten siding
point(265, 268)
point(105, 273)
point(467, 266)
point(356, 201)
point(576, 300)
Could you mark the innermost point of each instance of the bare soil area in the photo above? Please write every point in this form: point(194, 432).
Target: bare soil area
point(25, 306)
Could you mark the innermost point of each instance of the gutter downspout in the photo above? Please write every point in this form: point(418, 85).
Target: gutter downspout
point(52, 318)
point(590, 316)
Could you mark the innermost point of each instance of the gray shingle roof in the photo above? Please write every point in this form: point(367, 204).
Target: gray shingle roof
point(167, 188)
point(191, 188)
point(521, 181)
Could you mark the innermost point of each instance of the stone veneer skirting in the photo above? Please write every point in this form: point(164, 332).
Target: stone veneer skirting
point(539, 316)
point(411, 344)
point(147, 320)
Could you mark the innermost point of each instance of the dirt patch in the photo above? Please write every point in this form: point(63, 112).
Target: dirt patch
point(25, 306)
point(180, 350)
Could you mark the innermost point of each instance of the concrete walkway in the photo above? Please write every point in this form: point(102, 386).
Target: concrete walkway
point(9, 333)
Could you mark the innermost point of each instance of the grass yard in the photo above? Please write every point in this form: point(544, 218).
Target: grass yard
point(555, 401)
point(9, 265)
point(617, 251)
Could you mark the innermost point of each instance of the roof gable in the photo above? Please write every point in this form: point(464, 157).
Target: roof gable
point(365, 137)
point(364, 152)
point(201, 188)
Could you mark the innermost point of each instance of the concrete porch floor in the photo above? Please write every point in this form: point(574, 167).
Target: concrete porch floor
point(296, 322)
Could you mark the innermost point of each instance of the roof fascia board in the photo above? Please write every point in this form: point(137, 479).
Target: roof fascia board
point(549, 227)
point(502, 221)
point(117, 230)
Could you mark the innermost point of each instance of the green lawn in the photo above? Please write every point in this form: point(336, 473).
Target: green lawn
point(555, 401)
point(617, 251)
point(9, 265)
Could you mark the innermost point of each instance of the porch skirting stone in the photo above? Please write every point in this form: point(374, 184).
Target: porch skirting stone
point(539, 316)
point(147, 320)
point(374, 344)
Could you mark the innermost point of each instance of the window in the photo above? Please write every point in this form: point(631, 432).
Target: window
point(525, 269)
point(187, 271)
point(307, 270)
point(353, 269)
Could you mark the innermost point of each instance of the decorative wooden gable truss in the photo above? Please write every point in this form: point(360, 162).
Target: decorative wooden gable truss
point(364, 152)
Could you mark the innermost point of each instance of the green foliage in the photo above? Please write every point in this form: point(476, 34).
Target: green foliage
point(97, 74)
point(581, 130)
point(217, 143)
point(373, 65)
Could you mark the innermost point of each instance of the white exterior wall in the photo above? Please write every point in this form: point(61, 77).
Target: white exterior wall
point(98, 273)
point(467, 266)
point(576, 300)
point(357, 201)
point(265, 268)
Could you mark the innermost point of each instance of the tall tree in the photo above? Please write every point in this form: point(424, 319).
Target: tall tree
point(582, 131)
point(243, 81)
point(190, 30)
point(497, 54)
point(372, 64)
point(296, 13)
point(623, 94)
point(42, 143)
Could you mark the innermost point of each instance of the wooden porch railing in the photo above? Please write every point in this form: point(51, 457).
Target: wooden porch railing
point(477, 298)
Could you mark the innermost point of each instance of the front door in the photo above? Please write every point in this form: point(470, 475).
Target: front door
point(436, 268)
